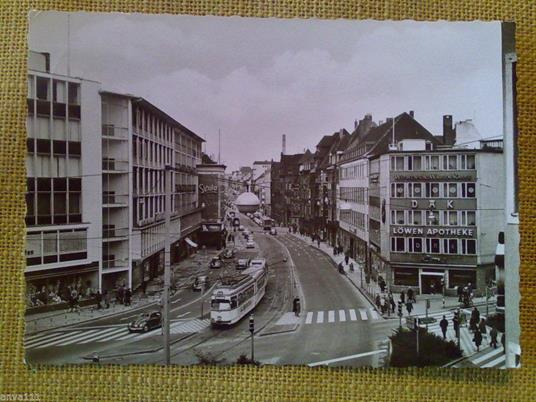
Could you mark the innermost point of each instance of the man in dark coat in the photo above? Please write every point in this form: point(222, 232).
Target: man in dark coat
point(493, 335)
point(411, 295)
point(98, 299)
point(477, 339)
point(409, 307)
point(128, 296)
point(456, 324)
point(444, 325)
point(402, 297)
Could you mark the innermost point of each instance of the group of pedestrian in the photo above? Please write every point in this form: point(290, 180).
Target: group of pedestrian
point(385, 303)
point(124, 296)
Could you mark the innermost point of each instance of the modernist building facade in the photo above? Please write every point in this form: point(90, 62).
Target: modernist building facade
point(64, 216)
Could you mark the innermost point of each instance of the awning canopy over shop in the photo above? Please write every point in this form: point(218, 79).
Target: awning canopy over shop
point(191, 242)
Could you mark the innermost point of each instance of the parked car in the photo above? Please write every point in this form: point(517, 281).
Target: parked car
point(146, 322)
point(250, 244)
point(228, 253)
point(242, 263)
point(241, 228)
point(216, 262)
point(273, 231)
point(200, 283)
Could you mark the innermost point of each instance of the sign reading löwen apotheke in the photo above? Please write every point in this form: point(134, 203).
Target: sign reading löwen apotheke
point(432, 231)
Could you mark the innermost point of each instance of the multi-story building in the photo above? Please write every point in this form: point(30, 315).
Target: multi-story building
point(64, 215)
point(288, 210)
point(261, 184)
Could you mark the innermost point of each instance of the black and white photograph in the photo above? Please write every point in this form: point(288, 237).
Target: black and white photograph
point(262, 191)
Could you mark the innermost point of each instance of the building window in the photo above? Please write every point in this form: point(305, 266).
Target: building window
point(415, 217)
point(433, 246)
point(415, 245)
point(468, 246)
point(470, 162)
point(450, 246)
point(42, 88)
point(397, 217)
point(468, 190)
point(398, 244)
point(432, 190)
point(417, 163)
point(406, 277)
point(452, 162)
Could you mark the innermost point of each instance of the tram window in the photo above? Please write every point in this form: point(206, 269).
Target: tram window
point(234, 302)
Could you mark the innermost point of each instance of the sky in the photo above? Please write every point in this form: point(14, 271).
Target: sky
point(256, 79)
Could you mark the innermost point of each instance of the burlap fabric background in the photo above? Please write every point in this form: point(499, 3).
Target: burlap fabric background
point(154, 383)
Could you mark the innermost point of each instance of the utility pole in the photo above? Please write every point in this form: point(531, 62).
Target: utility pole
point(252, 330)
point(167, 264)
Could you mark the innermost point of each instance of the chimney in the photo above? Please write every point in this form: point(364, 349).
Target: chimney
point(412, 114)
point(355, 124)
point(449, 133)
point(284, 149)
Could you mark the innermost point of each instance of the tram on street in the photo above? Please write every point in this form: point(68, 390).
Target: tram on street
point(235, 297)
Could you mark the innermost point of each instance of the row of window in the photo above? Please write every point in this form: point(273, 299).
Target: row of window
point(151, 126)
point(410, 277)
point(56, 246)
point(44, 88)
point(433, 218)
point(433, 190)
point(148, 208)
point(353, 218)
point(53, 201)
point(72, 149)
point(149, 152)
point(354, 171)
point(432, 162)
point(354, 194)
point(55, 129)
point(420, 245)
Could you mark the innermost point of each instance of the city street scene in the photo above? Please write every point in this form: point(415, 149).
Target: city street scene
point(225, 190)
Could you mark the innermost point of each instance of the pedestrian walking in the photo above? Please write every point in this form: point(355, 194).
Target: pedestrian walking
point(383, 305)
point(409, 307)
point(351, 267)
point(378, 301)
point(503, 342)
point(402, 297)
point(346, 258)
point(482, 326)
point(128, 297)
point(444, 325)
point(382, 285)
point(120, 294)
point(98, 300)
point(459, 292)
point(411, 296)
point(341, 268)
point(107, 299)
point(392, 302)
point(296, 306)
point(475, 319)
point(318, 241)
point(334, 250)
point(493, 338)
point(456, 324)
point(477, 339)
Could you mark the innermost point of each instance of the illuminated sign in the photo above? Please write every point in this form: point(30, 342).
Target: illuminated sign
point(208, 188)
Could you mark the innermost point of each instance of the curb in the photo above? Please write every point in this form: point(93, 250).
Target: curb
point(281, 331)
point(363, 293)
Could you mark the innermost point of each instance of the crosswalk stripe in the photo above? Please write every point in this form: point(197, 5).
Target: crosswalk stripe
point(56, 342)
point(331, 316)
point(309, 318)
point(352, 315)
point(108, 336)
point(130, 335)
point(342, 315)
point(320, 317)
point(28, 342)
point(89, 335)
point(374, 314)
point(38, 335)
point(363, 314)
point(492, 353)
point(494, 362)
point(44, 341)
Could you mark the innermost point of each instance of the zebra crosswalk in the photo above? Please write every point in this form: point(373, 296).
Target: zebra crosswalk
point(340, 316)
point(114, 333)
point(492, 358)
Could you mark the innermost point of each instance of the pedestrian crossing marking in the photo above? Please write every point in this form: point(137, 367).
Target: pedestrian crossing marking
point(64, 338)
point(495, 362)
point(331, 316)
point(363, 314)
point(309, 318)
point(320, 317)
point(352, 315)
point(374, 314)
point(342, 315)
point(487, 356)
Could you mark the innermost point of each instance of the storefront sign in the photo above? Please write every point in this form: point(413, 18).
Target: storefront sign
point(208, 188)
point(435, 176)
point(432, 204)
point(432, 231)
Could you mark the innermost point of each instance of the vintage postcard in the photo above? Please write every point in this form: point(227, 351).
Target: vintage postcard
point(225, 190)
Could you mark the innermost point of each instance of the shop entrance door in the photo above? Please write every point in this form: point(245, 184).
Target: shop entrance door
point(431, 282)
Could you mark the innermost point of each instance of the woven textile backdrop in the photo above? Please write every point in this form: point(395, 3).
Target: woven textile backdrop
point(155, 383)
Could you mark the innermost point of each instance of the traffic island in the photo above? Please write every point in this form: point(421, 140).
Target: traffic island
point(418, 348)
point(288, 322)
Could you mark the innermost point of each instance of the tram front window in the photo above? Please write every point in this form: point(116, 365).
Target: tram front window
point(220, 304)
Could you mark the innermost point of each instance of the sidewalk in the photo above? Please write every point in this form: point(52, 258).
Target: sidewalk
point(371, 289)
point(59, 318)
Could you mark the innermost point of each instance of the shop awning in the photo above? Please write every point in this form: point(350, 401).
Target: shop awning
point(190, 242)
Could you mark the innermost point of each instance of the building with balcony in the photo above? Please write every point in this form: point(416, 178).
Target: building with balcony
point(64, 216)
